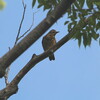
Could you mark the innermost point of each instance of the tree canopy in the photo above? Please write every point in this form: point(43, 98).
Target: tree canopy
point(2, 4)
point(83, 25)
point(80, 10)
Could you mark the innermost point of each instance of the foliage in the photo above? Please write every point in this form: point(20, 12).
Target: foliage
point(47, 4)
point(80, 10)
point(2, 4)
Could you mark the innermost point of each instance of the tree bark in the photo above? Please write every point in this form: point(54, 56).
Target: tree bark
point(32, 37)
point(12, 87)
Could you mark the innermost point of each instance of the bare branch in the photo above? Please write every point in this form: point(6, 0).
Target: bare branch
point(13, 86)
point(18, 38)
point(24, 6)
point(8, 69)
point(27, 30)
point(34, 35)
point(37, 58)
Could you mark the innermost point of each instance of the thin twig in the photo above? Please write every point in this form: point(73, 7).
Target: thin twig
point(23, 3)
point(27, 30)
point(8, 69)
point(24, 6)
point(37, 58)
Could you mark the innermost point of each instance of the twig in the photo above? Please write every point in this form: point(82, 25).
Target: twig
point(27, 30)
point(35, 34)
point(37, 58)
point(24, 6)
point(23, 3)
point(8, 69)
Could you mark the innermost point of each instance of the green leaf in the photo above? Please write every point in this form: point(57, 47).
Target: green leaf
point(84, 12)
point(77, 5)
point(79, 39)
point(89, 40)
point(66, 22)
point(75, 15)
point(95, 36)
point(78, 36)
point(80, 16)
point(81, 2)
point(97, 3)
point(88, 29)
point(59, 1)
point(33, 3)
point(69, 26)
point(46, 7)
point(85, 39)
point(99, 41)
point(92, 21)
point(39, 5)
point(89, 3)
point(54, 2)
point(39, 1)
point(49, 11)
point(98, 26)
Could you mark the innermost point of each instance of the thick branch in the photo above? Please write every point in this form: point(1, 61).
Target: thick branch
point(8, 91)
point(37, 58)
point(5, 93)
point(24, 44)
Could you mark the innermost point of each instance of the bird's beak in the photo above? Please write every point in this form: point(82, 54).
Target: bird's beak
point(57, 31)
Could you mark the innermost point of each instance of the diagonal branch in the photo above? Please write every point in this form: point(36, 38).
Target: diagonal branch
point(13, 86)
point(27, 30)
point(37, 58)
point(34, 35)
point(17, 38)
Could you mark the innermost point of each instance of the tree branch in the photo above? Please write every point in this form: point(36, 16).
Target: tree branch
point(13, 86)
point(7, 73)
point(27, 30)
point(17, 38)
point(31, 38)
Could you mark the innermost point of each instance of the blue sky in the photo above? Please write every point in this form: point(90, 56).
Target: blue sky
point(74, 75)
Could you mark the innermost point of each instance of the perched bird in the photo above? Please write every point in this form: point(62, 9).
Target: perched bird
point(48, 41)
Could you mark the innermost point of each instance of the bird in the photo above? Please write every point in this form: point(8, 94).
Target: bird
point(48, 41)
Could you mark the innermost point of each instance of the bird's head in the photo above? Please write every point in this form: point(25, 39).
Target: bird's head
point(53, 32)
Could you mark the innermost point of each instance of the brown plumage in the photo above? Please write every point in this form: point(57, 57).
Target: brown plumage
point(48, 41)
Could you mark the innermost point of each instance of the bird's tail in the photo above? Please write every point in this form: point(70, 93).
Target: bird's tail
point(52, 57)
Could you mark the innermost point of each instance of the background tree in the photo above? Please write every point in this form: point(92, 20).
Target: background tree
point(83, 25)
point(2, 4)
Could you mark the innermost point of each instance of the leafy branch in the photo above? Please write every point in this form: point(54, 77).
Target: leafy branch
point(13, 86)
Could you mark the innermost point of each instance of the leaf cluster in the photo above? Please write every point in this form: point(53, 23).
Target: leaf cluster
point(80, 10)
point(46, 4)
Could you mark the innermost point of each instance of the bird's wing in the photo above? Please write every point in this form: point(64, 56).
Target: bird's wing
point(45, 43)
